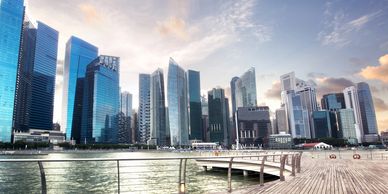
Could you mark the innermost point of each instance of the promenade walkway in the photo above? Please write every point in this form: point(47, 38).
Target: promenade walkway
point(322, 175)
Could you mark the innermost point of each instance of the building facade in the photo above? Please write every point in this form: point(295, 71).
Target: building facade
point(281, 120)
point(195, 108)
point(367, 109)
point(124, 118)
point(144, 113)
point(352, 102)
point(79, 54)
point(177, 104)
point(158, 110)
point(333, 102)
point(101, 105)
point(323, 124)
point(245, 89)
point(347, 125)
point(219, 130)
point(11, 21)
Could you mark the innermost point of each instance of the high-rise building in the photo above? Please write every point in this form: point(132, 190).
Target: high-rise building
point(177, 104)
point(124, 118)
point(322, 124)
point(205, 119)
point(11, 21)
point(346, 125)
point(367, 110)
point(309, 103)
point(233, 94)
point(79, 54)
point(254, 125)
point(219, 117)
point(245, 89)
point(158, 110)
point(144, 122)
point(333, 102)
point(101, 105)
point(352, 102)
point(126, 103)
point(281, 120)
point(195, 108)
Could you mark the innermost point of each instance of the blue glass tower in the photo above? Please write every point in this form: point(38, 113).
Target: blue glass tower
point(144, 113)
point(79, 54)
point(101, 101)
point(11, 21)
point(367, 109)
point(333, 101)
point(158, 110)
point(177, 104)
point(195, 104)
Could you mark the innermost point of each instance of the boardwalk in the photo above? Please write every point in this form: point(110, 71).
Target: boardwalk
point(320, 175)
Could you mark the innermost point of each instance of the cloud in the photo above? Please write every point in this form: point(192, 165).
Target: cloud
point(377, 72)
point(380, 104)
point(274, 91)
point(331, 85)
point(90, 13)
point(338, 30)
point(175, 27)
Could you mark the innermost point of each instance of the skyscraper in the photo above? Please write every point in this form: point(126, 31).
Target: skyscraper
point(346, 125)
point(195, 107)
point(144, 122)
point(322, 124)
point(309, 103)
point(124, 118)
point(352, 102)
point(219, 117)
point(254, 125)
point(126, 103)
point(333, 102)
point(79, 54)
point(245, 89)
point(368, 115)
point(11, 20)
point(101, 105)
point(158, 110)
point(177, 104)
point(281, 120)
point(233, 94)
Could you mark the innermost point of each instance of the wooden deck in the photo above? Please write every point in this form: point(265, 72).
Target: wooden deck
point(321, 175)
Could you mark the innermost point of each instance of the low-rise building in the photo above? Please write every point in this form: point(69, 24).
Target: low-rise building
point(280, 141)
point(36, 135)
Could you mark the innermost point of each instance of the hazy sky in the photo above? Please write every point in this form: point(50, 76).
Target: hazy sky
point(333, 43)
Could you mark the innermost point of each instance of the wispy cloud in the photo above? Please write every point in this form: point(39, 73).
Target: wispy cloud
point(90, 13)
point(175, 27)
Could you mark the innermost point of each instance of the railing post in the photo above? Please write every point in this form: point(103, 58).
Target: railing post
point(282, 166)
point(42, 178)
point(182, 176)
point(293, 165)
point(262, 171)
point(230, 175)
point(118, 176)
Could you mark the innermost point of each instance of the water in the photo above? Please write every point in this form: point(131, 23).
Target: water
point(101, 177)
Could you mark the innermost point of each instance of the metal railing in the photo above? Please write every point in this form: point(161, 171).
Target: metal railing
point(151, 175)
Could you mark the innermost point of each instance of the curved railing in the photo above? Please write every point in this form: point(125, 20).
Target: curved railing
point(130, 174)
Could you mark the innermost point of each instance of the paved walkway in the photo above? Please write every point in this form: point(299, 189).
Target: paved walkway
point(322, 175)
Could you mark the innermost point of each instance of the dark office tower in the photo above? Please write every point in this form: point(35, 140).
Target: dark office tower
point(254, 125)
point(158, 110)
point(205, 119)
point(11, 21)
point(101, 101)
point(322, 124)
point(195, 105)
point(368, 115)
point(177, 104)
point(78, 55)
point(333, 102)
point(218, 117)
point(233, 93)
point(144, 122)
point(124, 118)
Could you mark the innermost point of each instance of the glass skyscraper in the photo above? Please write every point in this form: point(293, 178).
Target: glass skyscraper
point(219, 117)
point(11, 20)
point(322, 124)
point(101, 101)
point(352, 102)
point(195, 105)
point(368, 115)
point(245, 89)
point(346, 125)
point(144, 122)
point(333, 101)
point(124, 118)
point(177, 104)
point(79, 54)
point(158, 110)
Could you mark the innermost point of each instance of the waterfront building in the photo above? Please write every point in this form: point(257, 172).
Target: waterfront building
point(333, 101)
point(126, 103)
point(280, 141)
point(79, 54)
point(205, 119)
point(177, 104)
point(219, 131)
point(245, 89)
point(352, 102)
point(101, 105)
point(347, 125)
point(322, 124)
point(367, 110)
point(158, 110)
point(11, 22)
point(36, 135)
point(254, 125)
point(195, 108)
point(134, 128)
point(281, 120)
point(144, 122)
point(124, 118)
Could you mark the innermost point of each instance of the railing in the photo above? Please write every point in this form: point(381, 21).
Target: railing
point(151, 175)
point(349, 154)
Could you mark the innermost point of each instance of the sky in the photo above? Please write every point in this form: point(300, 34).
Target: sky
point(333, 44)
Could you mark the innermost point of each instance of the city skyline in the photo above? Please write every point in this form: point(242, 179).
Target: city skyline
point(337, 38)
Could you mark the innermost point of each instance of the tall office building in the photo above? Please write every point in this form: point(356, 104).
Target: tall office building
point(158, 110)
point(346, 125)
point(205, 119)
point(309, 103)
point(367, 109)
point(254, 125)
point(124, 118)
point(333, 102)
point(79, 54)
point(352, 102)
point(245, 89)
point(281, 120)
point(195, 108)
point(144, 122)
point(101, 105)
point(219, 117)
point(322, 124)
point(233, 93)
point(11, 20)
point(177, 104)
